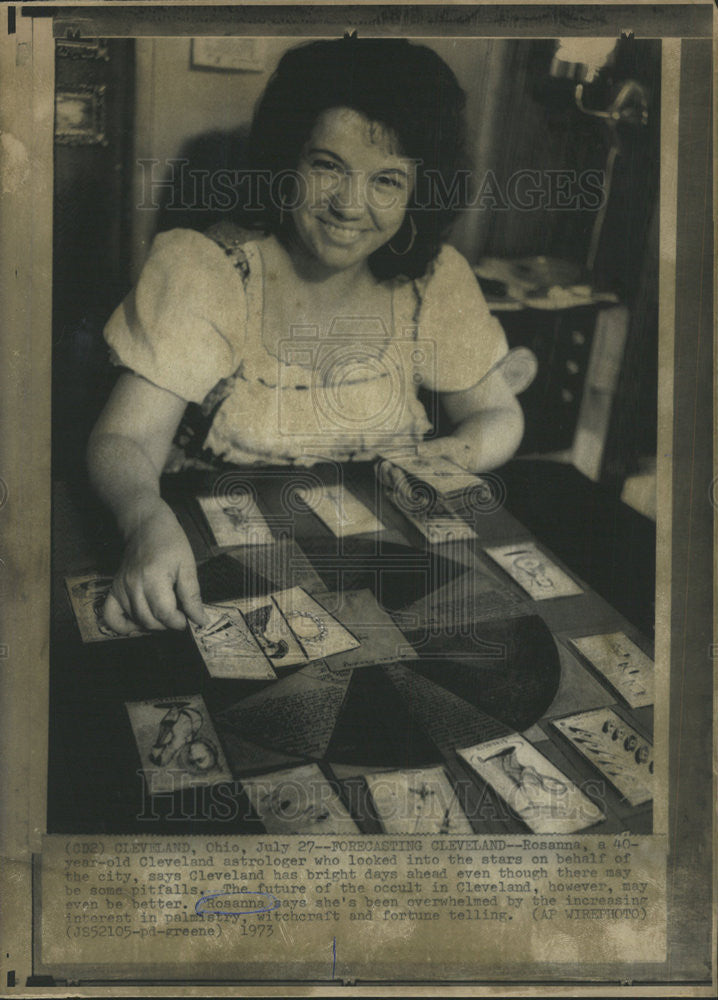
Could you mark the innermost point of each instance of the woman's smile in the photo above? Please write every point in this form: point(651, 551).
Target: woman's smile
point(341, 234)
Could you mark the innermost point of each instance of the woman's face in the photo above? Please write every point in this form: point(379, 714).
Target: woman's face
point(353, 191)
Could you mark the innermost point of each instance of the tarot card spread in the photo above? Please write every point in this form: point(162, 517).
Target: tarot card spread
point(87, 596)
point(339, 510)
point(246, 639)
point(236, 520)
point(534, 571)
point(544, 798)
point(177, 743)
point(627, 668)
point(621, 754)
point(298, 801)
point(420, 801)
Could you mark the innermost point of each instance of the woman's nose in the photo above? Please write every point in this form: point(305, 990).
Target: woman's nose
point(347, 196)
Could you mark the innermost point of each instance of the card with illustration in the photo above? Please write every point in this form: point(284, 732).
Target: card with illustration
point(177, 743)
point(627, 668)
point(541, 795)
point(317, 631)
point(437, 525)
point(300, 800)
point(235, 520)
point(247, 638)
point(417, 801)
point(441, 526)
point(228, 646)
point(87, 595)
point(340, 510)
point(620, 753)
point(533, 570)
point(271, 631)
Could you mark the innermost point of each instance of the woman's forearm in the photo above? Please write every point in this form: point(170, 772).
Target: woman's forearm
point(129, 446)
point(124, 477)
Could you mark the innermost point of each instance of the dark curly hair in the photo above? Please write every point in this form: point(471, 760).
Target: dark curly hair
point(405, 87)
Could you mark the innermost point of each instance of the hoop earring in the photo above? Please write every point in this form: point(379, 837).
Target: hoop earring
point(402, 253)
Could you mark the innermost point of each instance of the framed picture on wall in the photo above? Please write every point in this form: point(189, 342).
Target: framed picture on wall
point(238, 54)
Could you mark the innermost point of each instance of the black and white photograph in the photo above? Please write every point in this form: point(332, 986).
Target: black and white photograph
point(376, 415)
point(338, 261)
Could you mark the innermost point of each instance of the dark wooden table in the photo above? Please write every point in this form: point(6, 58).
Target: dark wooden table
point(94, 782)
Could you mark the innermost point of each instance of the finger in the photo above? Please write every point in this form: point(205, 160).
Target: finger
point(163, 605)
point(189, 596)
point(141, 611)
point(391, 476)
point(399, 479)
point(383, 471)
point(115, 617)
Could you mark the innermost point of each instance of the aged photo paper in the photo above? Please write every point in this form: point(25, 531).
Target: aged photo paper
point(400, 718)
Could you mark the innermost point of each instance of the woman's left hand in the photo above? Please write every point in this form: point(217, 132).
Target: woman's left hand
point(456, 450)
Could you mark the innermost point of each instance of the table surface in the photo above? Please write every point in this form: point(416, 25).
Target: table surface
point(95, 782)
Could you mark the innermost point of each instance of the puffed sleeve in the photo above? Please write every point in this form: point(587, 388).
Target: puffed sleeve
point(463, 339)
point(183, 326)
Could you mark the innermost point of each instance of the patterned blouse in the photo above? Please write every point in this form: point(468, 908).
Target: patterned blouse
point(194, 325)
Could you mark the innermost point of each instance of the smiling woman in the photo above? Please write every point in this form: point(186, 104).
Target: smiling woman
point(309, 342)
point(355, 187)
point(413, 109)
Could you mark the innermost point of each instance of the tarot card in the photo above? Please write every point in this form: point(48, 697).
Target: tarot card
point(544, 798)
point(317, 631)
point(177, 743)
point(627, 668)
point(87, 596)
point(420, 801)
point(441, 527)
point(229, 647)
point(340, 510)
point(271, 631)
point(621, 754)
point(534, 571)
point(441, 474)
point(437, 525)
point(236, 520)
point(300, 800)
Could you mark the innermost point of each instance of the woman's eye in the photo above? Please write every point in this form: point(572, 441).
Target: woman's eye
point(388, 180)
point(324, 164)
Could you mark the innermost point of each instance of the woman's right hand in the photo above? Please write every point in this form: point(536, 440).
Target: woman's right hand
point(156, 586)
